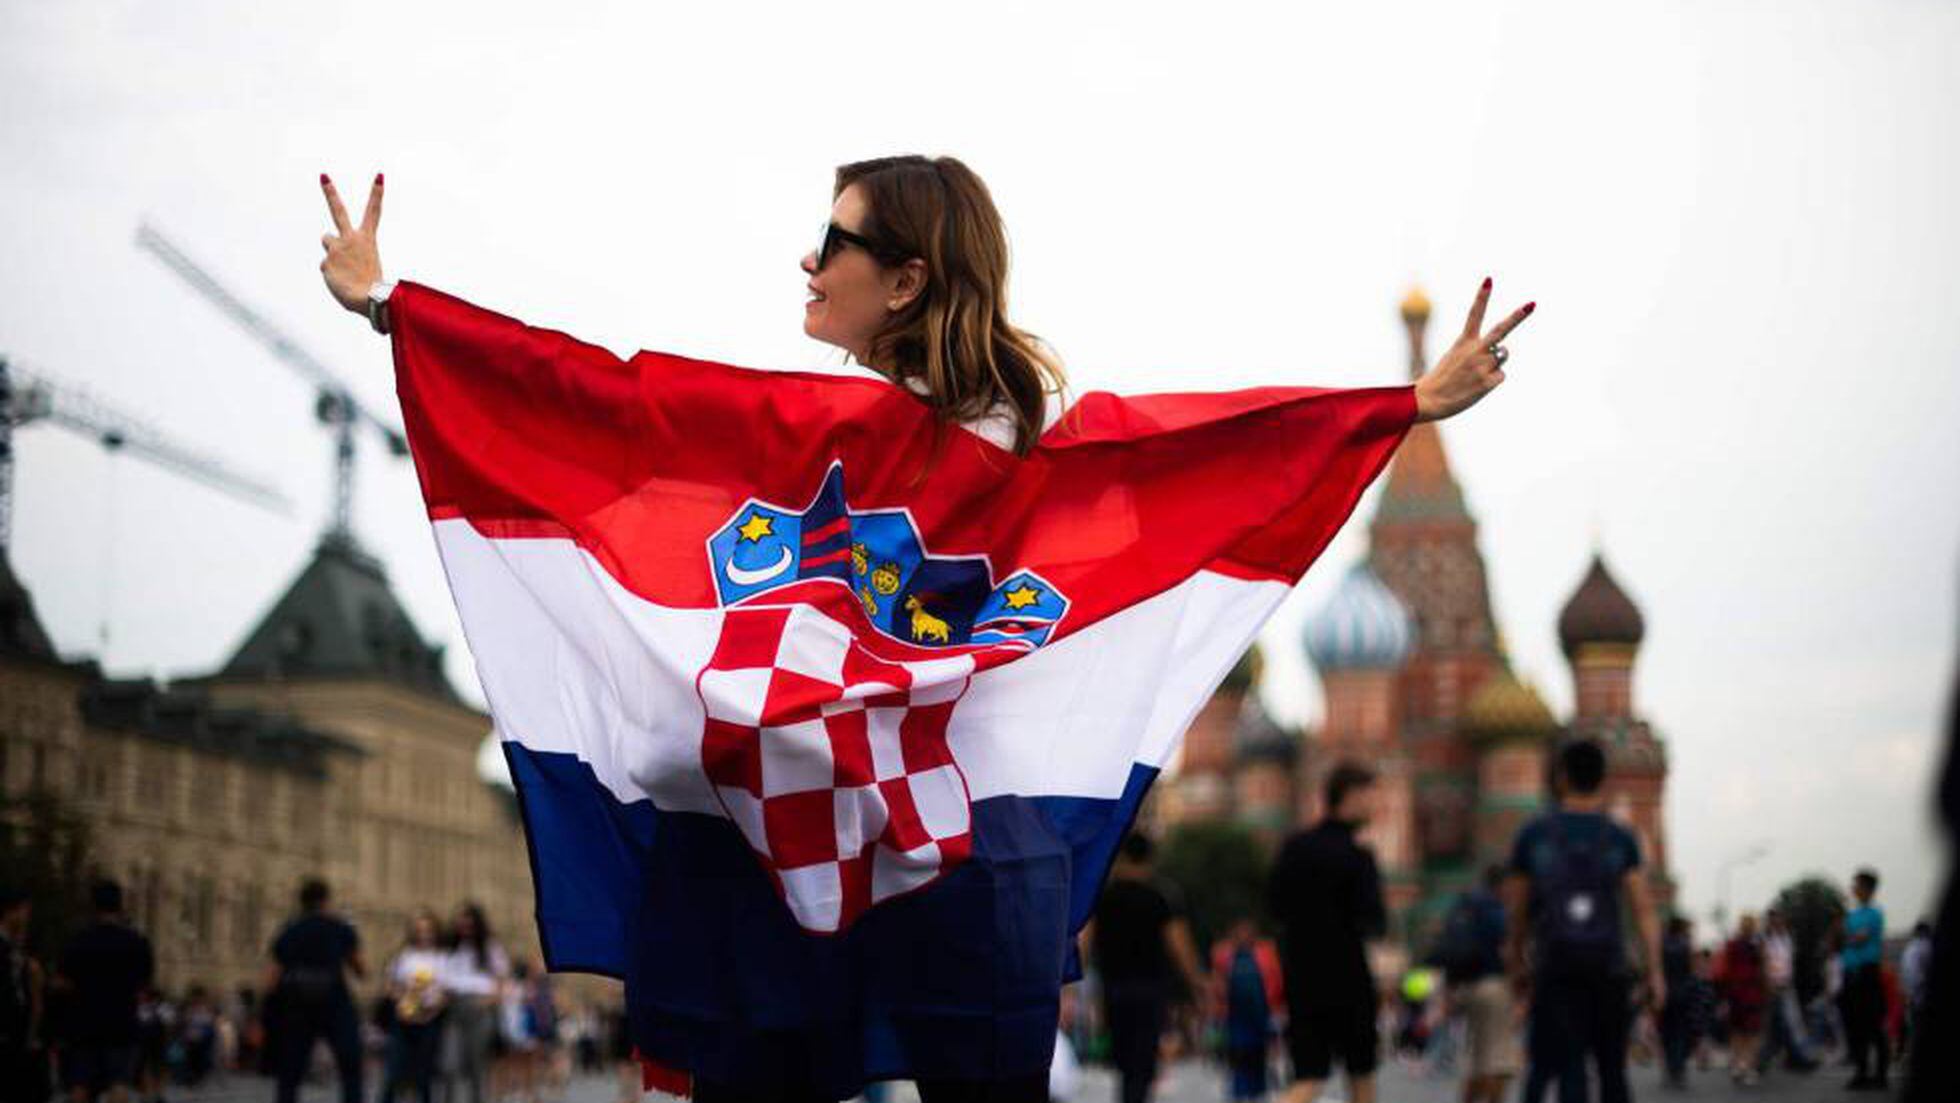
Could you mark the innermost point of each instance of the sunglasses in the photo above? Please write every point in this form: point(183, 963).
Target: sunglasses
point(835, 237)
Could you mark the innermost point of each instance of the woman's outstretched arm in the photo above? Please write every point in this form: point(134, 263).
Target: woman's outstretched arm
point(1470, 368)
point(353, 261)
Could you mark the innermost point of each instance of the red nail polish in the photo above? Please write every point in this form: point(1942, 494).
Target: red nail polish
point(1486, 283)
point(377, 178)
point(1529, 307)
point(323, 178)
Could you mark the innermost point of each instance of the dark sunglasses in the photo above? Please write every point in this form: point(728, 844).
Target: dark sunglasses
point(835, 236)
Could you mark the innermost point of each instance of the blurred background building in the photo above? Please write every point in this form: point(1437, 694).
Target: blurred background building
point(329, 745)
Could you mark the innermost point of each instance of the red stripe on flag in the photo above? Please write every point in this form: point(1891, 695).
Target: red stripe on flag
point(818, 536)
point(832, 557)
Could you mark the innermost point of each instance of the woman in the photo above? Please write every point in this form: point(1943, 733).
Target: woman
point(475, 969)
point(417, 998)
point(1746, 989)
point(909, 280)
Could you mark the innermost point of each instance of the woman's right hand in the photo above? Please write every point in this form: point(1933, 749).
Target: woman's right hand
point(353, 261)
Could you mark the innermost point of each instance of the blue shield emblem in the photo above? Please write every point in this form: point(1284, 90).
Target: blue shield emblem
point(905, 591)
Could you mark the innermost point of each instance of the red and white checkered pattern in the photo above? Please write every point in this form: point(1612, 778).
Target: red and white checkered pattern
point(833, 762)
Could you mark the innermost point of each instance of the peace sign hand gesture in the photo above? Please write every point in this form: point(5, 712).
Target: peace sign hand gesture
point(1473, 366)
point(353, 260)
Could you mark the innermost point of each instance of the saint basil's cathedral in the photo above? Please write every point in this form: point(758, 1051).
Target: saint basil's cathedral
point(1418, 687)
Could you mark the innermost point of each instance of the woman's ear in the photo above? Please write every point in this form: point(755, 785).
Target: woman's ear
point(907, 282)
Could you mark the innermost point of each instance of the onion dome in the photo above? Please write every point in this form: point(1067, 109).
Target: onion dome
point(1599, 612)
point(1364, 626)
point(1415, 305)
point(1256, 735)
point(1505, 709)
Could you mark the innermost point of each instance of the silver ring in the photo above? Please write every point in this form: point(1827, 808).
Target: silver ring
point(1501, 353)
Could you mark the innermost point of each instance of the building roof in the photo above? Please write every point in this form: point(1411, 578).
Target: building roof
point(188, 717)
point(1256, 735)
point(21, 634)
point(1599, 612)
point(340, 619)
point(1504, 708)
point(1364, 626)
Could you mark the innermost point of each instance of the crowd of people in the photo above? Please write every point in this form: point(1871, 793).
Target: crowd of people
point(454, 1016)
point(1554, 970)
point(1550, 976)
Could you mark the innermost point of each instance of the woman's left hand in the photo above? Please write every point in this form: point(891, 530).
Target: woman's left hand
point(1472, 367)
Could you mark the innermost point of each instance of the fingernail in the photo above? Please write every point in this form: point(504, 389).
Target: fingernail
point(377, 178)
point(1486, 283)
point(1529, 307)
point(323, 178)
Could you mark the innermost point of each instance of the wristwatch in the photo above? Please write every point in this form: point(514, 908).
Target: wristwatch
point(377, 304)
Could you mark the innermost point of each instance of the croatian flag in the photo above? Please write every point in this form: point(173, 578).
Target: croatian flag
point(826, 717)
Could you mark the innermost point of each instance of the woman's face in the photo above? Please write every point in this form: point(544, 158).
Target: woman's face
point(424, 930)
point(854, 294)
point(465, 925)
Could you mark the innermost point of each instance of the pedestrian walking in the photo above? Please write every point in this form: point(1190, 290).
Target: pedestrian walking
point(310, 1000)
point(1677, 1026)
point(1470, 952)
point(1863, 997)
point(418, 995)
point(1574, 868)
point(1785, 1034)
point(1326, 895)
point(1745, 991)
point(1142, 949)
point(1248, 993)
point(24, 1073)
point(476, 970)
point(101, 976)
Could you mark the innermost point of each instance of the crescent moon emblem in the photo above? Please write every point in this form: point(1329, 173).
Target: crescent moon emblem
point(741, 577)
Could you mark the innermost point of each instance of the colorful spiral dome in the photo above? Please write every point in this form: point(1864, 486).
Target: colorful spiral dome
point(1599, 612)
point(1364, 626)
point(1505, 709)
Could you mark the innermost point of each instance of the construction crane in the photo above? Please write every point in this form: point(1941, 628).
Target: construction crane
point(28, 397)
point(336, 405)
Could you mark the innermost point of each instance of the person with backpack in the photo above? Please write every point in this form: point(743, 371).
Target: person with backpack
point(1573, 871)
point(1470, 952)
point(310, 1000)
point(1247, 993)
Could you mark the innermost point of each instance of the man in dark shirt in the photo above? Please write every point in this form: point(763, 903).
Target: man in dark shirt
point(1139, 944)
point(309, 995)
point(1326, 896)
point(1573, 869)
point(102, 971)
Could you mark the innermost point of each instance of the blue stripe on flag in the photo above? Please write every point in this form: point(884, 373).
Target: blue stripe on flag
point(960, 979)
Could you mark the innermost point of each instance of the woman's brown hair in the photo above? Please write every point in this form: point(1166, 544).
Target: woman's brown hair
point(954, 338)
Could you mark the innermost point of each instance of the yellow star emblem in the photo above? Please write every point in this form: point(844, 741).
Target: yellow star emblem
point(756, 527)
point(1022, 596)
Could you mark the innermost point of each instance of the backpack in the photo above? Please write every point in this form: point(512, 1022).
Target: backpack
point(1245, 989)
point(1462, 949)
point(1575, 885)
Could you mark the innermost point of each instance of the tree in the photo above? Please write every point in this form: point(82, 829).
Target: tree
point(1220, 868)
point(1814, 908)
point(45, 852)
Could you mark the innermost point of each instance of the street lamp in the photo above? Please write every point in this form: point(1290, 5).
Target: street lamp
point(1754, 853)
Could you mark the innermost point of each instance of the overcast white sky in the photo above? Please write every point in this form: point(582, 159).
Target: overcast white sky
point(1737, 218)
